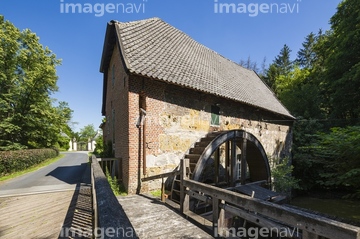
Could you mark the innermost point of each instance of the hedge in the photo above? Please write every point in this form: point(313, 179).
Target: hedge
point(14, 161)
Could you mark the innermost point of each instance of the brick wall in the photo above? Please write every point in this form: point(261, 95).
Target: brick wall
point(116, 128)
point(177, 117)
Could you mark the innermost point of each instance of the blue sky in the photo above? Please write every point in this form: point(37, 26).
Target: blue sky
point(77, 38)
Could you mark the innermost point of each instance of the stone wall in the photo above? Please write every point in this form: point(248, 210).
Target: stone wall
point(177, 117)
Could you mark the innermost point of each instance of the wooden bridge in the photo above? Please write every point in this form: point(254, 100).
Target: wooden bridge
point(230, 199)
point(146, 217)
point(237, 198)
point(256, 214)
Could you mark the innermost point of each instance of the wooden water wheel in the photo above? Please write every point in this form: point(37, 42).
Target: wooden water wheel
point(227, 159)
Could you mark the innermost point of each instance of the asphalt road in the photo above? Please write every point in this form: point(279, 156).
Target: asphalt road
point(65, 174)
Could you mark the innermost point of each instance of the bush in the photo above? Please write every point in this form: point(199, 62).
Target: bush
point(99, 148)
point(103, 151)
point(330, 161)
point(284, 182)
point(339, 153)
point(14, 161)
point(117, 188)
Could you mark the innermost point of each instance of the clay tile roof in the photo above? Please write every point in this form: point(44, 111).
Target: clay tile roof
point(155, 49)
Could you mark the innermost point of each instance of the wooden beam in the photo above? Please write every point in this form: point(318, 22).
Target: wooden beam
point(198, 196)
point(304, 221)
point(217, 165)
point(243, 162)
point(215, 214)
point(261, 221)
point(227, 162)
point(233, 163)
point(218, 218)
point(163, 175)
point(184, 198)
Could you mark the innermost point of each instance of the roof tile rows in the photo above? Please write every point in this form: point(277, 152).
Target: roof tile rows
point(157, 50)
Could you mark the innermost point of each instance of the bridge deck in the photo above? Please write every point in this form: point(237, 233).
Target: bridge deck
point(33, 216)
point(47, 211)
point(153, 219)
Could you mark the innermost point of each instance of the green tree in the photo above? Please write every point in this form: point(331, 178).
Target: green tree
point(282, 66)
point(28, 77)
point(283, 179)
point(87, 132)
point(322, 90)
point(306, 56)
point(337, 152)
point(343, 62)
point(283, 62)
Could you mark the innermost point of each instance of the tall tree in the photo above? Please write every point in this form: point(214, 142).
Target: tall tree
point(249, 64)
point(87, 132)
point(306, 56)
point(28, 77)
point(342, 62)
point(283, 62)
point(281, 66)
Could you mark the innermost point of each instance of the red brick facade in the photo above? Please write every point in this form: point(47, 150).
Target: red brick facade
point(176, 118)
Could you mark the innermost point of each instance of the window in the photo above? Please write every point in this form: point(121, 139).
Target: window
point(215, 115)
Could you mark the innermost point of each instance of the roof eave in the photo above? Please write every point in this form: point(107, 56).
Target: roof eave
point(109, 42)
point(287, 116)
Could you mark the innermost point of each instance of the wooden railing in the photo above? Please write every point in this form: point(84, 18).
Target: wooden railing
point(162, 177)
point(112, 165)
point(262, 213)
point(110, 220)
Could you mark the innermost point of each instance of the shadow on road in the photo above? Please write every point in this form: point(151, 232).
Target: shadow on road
point(69, 174)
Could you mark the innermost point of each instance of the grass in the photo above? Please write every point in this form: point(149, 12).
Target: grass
point(32, 169)
point(117, 188)
point(156, 193)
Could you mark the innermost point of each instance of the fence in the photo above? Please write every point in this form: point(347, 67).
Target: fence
point(263, 213)
point(110, 220)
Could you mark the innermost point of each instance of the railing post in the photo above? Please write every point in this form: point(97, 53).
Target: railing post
point(111, 217)
point(184, 197)
point(218, 218)
point(162, 189)
point(93, 194)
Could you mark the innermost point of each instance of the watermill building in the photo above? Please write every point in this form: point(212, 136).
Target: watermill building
point(167, 97)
